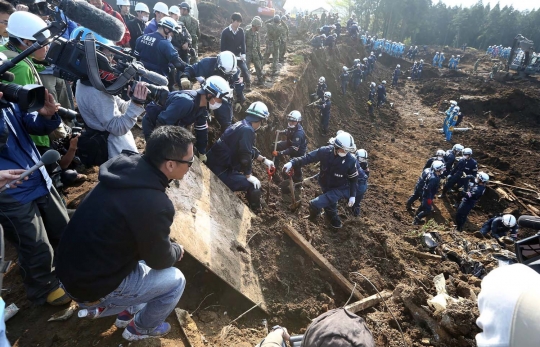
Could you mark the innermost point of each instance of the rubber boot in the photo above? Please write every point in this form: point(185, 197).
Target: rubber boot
point(253, 197)
point(314, 212)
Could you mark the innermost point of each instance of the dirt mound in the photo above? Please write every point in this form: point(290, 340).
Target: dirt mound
point(452, 73)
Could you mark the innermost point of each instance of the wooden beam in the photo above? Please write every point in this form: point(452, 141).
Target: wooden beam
point(320, 260)
point(189, 328)
point(511, 186)
point(522, 204)
point(424, 255)
point(368, 302)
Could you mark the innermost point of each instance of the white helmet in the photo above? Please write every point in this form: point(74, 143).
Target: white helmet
point(482, 177)
point(365, 59)
point(361, 155)
point(453, 102)
point(343, 140)
point(322, 79)
point(218, 87)
point(373, 84)
point(467, 151)
point(174, 10)
point(421, 60)
point(398, 66)
point(458, 56)
point(345, 68)
point(439, 153)
point(161, 7)
point(142, 7)
point(436, 52)
point(123, 3)
point(327, 95)
point(383, 82)
point(295, 116)
point(356, 61)
point(452, 56)
point(456, 109)
point(226, 63)
point(259, 110)
point(24, 25)
point(438, 165)
point(169, 23)
point(509, 220)
point(457, 148)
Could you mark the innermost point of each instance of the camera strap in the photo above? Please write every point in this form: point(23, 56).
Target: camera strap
point(93, 69)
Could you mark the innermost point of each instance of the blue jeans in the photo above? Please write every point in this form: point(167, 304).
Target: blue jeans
point(151, 294)
point(245, 72)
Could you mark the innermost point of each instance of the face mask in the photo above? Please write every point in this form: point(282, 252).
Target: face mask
point(145, 19)
point(214, 106)
point(342, 154)
point(476, 180)
point(169, 38)
point(291, 125)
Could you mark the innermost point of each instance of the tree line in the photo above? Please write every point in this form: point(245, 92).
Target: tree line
point(423, 22)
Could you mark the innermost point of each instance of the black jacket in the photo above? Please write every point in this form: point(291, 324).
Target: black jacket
point(136, 29)
point(123, 220)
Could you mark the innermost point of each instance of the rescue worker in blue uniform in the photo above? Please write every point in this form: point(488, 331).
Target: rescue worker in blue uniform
point(395, 76)
point(231, 157)
point(439, 155)
point(330, 41)
point(344, 80)
point(224, 65)
point(435, 59)
point(371, 98)
point(155, 50)
point(471, 195)
point(357, 74)
point(327, 29)
point(318, 41)
point(354, 31)
point(451, 121)
point(324, 106)
point(499, 226)
point(363, 174)
point(450, 157)
point(187, 107)
point(429, 191)
point(381, 94)
point(465, 168)
point(295, 145)
point(338, 176)
point(321, 88)
point(418, 188)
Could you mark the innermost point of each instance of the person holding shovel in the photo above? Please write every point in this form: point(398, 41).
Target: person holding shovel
point(338, 175)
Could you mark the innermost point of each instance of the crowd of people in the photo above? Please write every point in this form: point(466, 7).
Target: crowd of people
point(122, 263)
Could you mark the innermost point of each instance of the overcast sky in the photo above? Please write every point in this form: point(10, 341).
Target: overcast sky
point(518, 4)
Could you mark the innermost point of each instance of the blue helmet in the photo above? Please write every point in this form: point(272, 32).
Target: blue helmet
point(85, 31)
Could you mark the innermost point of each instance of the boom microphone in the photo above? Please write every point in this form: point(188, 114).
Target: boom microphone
point(154, 77)
point(93, 18)
point(47, 158)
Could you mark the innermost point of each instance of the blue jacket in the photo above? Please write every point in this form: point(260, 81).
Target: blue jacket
point(497, 227)
point(207, 67)
point(151, 27)
point(344, 77)
point(357, 74)
point(321, 88)
point(362, 174)
point(71, 25)
point(431, 187)
point(327, 29)
point(421, 182)
point(353, 30)
point(155, 52)
point(473, 194)
point(469, 166)
point(381, 91)
point(234, 149)
point(296, 140)
point(317, 42)
point(396, 74)
point(235, 43)
point(449, 159)
point(335, 172)
point(182, 109)
point(430, 161)
point(324, 107)
point(19, 152)
point(330, 41)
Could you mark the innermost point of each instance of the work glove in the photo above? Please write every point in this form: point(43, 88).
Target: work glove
point(237, 107)
point(287, 167)
point(463, 175)
point(429, 202)
point(275, 153)
point(268, 163)
point(352, 199)
point(185, 83)
point(243, 57)
point(253, 180)
point(202, 157)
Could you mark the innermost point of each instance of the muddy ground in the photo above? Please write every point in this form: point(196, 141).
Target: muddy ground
point(505, 139)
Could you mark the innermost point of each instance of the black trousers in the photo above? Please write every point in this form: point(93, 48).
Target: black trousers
point(35, 229)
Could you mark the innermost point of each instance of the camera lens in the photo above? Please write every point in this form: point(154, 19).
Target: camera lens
point(30, 97)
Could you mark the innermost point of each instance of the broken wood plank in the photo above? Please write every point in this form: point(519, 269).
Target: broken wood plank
point(424, 255)
point(537, 211)
point(516, 187)
point(523, 205)
point(368, 302)
point(502, 193)
point(320, 260)
point(189, 328)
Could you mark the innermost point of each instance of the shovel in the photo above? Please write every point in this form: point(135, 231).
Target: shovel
point(271, 171)
point(306, 179)
point(295, 204)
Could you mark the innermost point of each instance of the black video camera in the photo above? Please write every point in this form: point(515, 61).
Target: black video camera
point(157, 94)
point(528, 250)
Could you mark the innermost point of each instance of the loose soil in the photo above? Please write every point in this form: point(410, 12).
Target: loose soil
point(504, 136)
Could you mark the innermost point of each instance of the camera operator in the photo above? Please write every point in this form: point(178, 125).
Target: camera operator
point(6, 10)
point(136, 25)
point(21, 28)
point(156, 51)
point(32, 214)
point(108, 118)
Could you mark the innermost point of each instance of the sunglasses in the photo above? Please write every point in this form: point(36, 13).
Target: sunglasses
point(188, 162)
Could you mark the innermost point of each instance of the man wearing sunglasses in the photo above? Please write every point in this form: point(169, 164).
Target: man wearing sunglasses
point(121, 263)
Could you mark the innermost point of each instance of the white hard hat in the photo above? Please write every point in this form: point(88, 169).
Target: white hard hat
point(344, 140)
point(482, 177)
point(327, 95)
point(321, 79)
point(295, 116)
point(259, 110)
point(437, 165)
point(142, 7)
point(509, 220)
point(161, 7)
point(123, 3)
point(361, 154)
point(383, 82)
point(218, 87)
point(174, 10)
point(227, 63)
point(24, 25)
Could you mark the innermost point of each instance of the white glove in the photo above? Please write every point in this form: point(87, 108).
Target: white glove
point(351, 201)
point(287, 167)
point(268, 163)
point(243, 57)
point(253, 180)
point(237, 107)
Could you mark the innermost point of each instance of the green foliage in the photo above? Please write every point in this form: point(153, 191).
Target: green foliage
point(434, 23)
point(407, 42)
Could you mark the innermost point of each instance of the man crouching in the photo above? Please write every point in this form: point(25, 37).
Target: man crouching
point(115, 256)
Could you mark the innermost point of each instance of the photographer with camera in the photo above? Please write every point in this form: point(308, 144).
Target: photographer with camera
point(32, 214)
point(108, 118)
point(187, 107)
